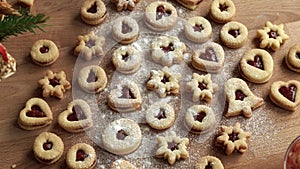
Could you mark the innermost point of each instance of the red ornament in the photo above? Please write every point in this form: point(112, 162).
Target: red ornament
point(3, 53)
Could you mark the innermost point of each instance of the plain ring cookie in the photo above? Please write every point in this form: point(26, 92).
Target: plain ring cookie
point(122, 136)
point(44, 52)
point(292, 59)
point(127, 59)
point(160, 116)
point(81, 156)
point(198, 29)
point(125, 30)
point(92, 79)
point(209, 162)
point(222, 11)
point(93, 12)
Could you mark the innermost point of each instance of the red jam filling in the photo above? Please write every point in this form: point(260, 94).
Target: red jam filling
point(127, 94)
point(80, 155)
point(209, 55)
point(54, 82)
point(125, 57)
point(202, 86)
point(233, 136)
point(47, 146)
point(92, 77)
point(168, 48)
point(234, 32)
point(239, 95)
point(93, 8)
point(165, 80)
point(44, 49)
point(273, 34)
point(173, 146)
point(162, 12)
point(209, 166)
point(90, 43)
point(161, 114)
point(289, 92)
point(36, 111)
point(121, 135)
point(200, 116)
point(77, 114)
point(223, 7)
point(126, 28)
point(258, 63)
point(298, 55)
point(198, 28)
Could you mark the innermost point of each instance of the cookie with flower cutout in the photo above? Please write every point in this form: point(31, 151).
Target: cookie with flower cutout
point(125, 4)
point(172, 148)
point(292, 59)
point(54, 84)
point(209, 162)
point(164, 82)
point(202, 87)
point(272, 36)
point(89, 46)
point(286, 94)
point(81, 156)
point(233, 138)
point(167, 50)
point(240, 98)
point(8, 64)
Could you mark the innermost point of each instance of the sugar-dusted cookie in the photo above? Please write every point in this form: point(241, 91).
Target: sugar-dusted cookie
point(272, 36)
point(209, 59)
point(190, 4)
point(172, 148)
point(122, 136)
point(197, 29)
point(77, 117)
point(256, 66)
point(240, 98)
point(209, 162)
point(233, 138)
point(122, 164)
point(93, 12)
point(292, 59)
point(167, 50)
point(234, 34)
point(286, 94)
point(164, 82)
point(160, 116)
point(54, 84)
point(44, 52)
point(222, 11)
point(160, 16)
point(8, 64)
point(125, 97)
point(36, 114)
point(81, 156)
point(202, 87)
point(127, 59)
point(125, 30)
point(125, 4)
point(92, 79)
point(199, 118)
point(89, 46)
point(48, 148)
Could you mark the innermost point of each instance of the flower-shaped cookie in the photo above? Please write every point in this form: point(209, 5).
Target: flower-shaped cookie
point(233, 138)
point(272, 36)
point(202, 87)
point(54, 84)
point(164, 82)
point(125, 4)
point(90, 46)
point(172, 148)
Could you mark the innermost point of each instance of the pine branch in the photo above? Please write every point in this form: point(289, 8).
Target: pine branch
point(13, 25)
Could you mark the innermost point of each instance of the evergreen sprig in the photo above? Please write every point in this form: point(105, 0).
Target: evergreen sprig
point(13, 25)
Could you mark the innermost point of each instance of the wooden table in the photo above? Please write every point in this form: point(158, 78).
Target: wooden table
point(272, 128)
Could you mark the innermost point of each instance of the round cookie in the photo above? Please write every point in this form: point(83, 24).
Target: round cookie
point(125, 30)
point(198, 29)
point(256, 66)
point(81, 156)
point(122, 136)
point(44, 52)
point(127, 59)
point(93, 12)
point(234, 34)
point(92, 79)
point(48, 148)
point(160, 16)
point(206, 162)
point(292, 59)
point(222, 11)
point(160, 116)
point(122, 164)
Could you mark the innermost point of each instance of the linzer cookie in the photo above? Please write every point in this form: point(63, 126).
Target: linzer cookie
point(234, 34)
point(292, 59)
point(222, 11)
point(198, 29)
point(122, 136)
point(256, 66)
point(160, 16)
point(44, 52)
point(77, 117)
point(8, 64)
point(286, 94)
point(81, 156)
point(48, 148)
point(125, 30)
point(93, 12)
point(125, 4)
point(209, 162)
point(190, 4)
point(36, 114)
point(122, 164)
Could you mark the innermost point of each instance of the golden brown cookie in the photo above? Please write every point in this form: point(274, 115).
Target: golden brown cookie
point(197, 29)
point(36, 114)
point(190, 4)
point(209, 162)
point(125, 30)
point(222, 11)
point(44, 52)
point(93, 12)
point(48, 148)
point(81, 156)
point(8, 64)
point(122, 164)
point(292, 59)
point(286, 94)
point(125, 4)
point(234, 34)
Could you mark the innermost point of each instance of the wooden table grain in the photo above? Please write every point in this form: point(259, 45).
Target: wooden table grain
point(266, 148)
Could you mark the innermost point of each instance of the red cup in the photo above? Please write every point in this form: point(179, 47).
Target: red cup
point(292, 155)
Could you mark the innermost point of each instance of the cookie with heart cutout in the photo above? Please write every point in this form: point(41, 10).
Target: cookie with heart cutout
point(77, 117)
point(292, 59)
point(81, 156)
point(209, 59)
point(285, 94)
point(256, 66)
point(36, 114)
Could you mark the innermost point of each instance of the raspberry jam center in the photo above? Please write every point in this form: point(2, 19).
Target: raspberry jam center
point(90, 43)
point(234, 32)
point(44, 49)
point(168, 48)
point(92, 77)
point(173, 146)
point(161, 114)
point(298, 55)
point(198, 28)
point(162, 12)
point(209, 55)
point(289, 92)
point(54, 82)
point(233, 136)
point(273, 34)
point(223, 7)
point(126, 28)
point(200, 116)
point(239, 95)
point(125, 57)
point(80, 155)
point(36, 111)
point(47, 146)
point(93, 8)
point(165, 79)
point(77, 114)
point(209, 166)
point(258, 63)
point(121, 135)
point(202, 86)
point(127, 94)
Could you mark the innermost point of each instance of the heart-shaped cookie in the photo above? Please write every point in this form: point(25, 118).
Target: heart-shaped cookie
point(77, 117)
point(209, 59)
point(35, 115)
point(286, 94)
point(125, 98)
